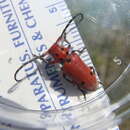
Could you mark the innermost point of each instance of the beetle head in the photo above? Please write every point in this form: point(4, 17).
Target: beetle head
point(58, 52)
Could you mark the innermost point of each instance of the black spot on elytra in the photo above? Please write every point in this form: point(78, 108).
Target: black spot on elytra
point(82, 83)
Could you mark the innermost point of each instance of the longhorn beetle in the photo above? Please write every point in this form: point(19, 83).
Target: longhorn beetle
point(73, 68)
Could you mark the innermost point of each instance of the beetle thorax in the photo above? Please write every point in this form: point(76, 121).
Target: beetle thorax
point(59, 52)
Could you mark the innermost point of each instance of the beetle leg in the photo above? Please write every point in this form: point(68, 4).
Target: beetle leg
point(93, 70)
point(66, 78)
point(52, 62)
point(40, 57)
point(101, 83)
point(83, 92)
point(79, 51)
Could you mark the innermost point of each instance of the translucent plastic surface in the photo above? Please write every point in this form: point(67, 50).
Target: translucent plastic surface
point(15, 116)
point(44, 99)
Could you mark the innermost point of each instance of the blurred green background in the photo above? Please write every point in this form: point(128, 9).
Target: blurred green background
point(106, 33)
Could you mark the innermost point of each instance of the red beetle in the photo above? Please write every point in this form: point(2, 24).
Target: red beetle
point(80, 74)
point(74, 69)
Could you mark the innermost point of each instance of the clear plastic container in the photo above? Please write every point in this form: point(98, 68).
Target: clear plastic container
point(105, 27)
point(13, 115)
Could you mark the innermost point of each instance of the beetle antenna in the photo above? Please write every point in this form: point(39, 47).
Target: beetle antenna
point(73, 18)
point(33, 59)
